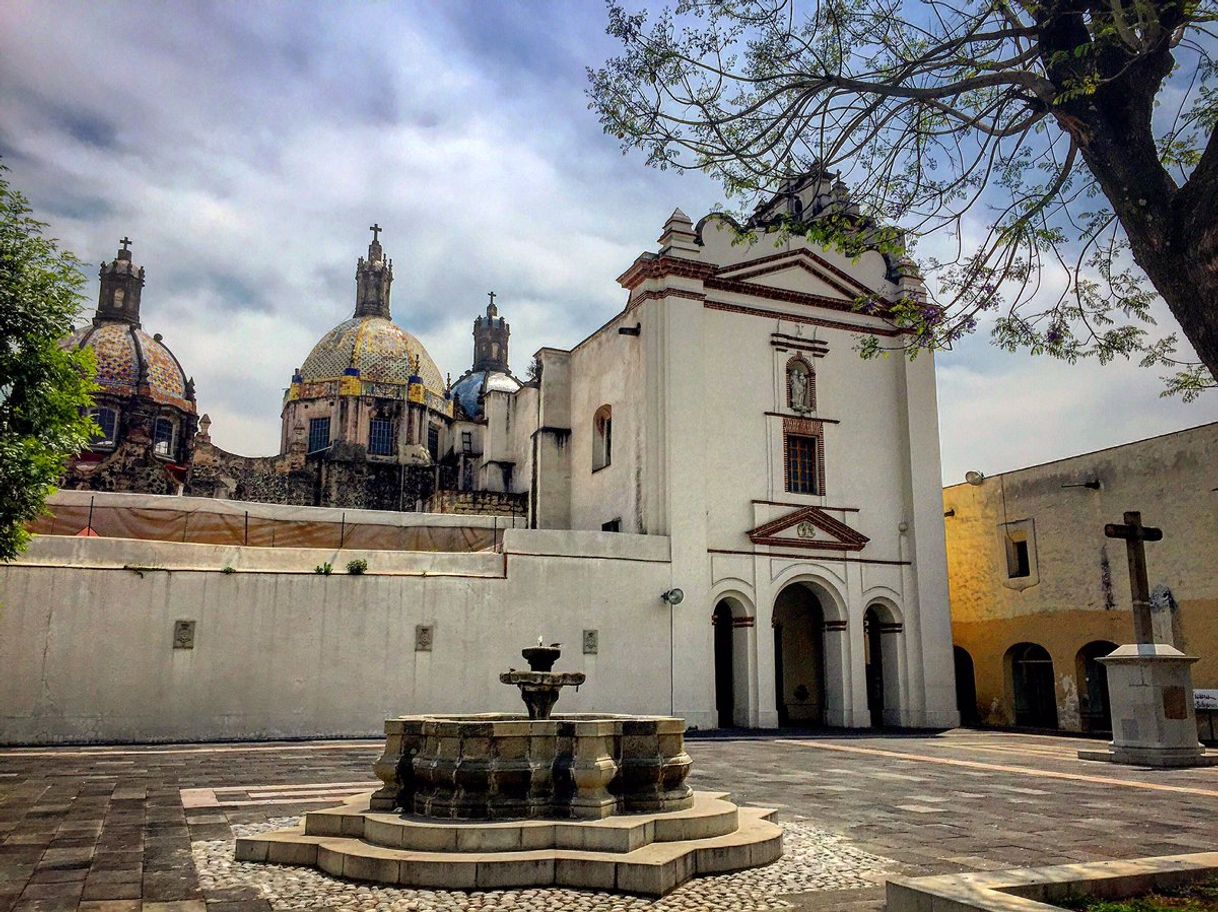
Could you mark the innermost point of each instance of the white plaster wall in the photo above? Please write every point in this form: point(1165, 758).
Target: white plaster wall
point(86, 645)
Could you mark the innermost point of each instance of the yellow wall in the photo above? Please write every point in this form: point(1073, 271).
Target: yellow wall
point(1078, 590)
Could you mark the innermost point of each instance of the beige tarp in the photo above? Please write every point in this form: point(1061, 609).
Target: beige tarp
point(219, 522)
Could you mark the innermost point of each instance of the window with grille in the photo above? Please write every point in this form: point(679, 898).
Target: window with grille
point(107, 424)
point(380, 437)
point(433, 441)
point(467, 441)
point(801, 454)
point(319, 434)
point(162, 438)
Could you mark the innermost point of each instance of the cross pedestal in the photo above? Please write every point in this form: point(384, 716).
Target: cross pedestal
point(1150, 685)
point(1150, 690)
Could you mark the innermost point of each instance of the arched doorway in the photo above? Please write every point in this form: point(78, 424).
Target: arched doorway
point(873, 656)
point(966, 687)
point(1034, 695)
point(725, 691)
point(799, 657)
point(1094, 710)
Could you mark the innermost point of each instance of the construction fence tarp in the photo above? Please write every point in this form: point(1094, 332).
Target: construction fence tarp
point(203, 520)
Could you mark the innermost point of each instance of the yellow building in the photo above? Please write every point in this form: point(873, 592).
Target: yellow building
point(1038, 593)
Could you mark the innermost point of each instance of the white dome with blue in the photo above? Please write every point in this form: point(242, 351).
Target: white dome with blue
point(490, 372)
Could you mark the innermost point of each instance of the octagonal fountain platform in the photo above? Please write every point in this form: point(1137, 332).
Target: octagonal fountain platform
point(490, 801)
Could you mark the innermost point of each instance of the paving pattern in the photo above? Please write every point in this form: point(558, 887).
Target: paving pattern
point(149, 829)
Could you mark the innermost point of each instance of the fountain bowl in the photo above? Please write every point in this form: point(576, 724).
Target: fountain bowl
point(493, 766)
point(541, 658)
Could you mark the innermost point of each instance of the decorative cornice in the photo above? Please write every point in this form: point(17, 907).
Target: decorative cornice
point(770, 293)
point(654, 267)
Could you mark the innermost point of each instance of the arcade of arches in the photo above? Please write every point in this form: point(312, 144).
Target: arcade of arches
point(810, 661)
point(1038, 690)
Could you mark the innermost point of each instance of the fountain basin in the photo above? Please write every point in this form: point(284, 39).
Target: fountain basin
point(493, 766)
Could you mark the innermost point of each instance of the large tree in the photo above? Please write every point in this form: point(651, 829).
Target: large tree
point(44, 389)
point(1066, 146)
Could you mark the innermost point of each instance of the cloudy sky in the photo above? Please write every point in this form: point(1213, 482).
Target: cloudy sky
point(246, 148)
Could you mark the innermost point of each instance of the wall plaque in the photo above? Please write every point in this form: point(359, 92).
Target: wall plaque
point(423, 635)
point(591, 642)
point(183, 634)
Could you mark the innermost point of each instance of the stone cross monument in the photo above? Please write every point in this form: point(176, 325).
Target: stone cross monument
point(1150, 684)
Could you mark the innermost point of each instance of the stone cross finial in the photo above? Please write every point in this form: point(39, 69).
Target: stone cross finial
point(1136, 535)
point(125, 241)
point(376, 229)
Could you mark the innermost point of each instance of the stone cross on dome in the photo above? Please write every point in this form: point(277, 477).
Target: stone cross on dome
point(491, 309)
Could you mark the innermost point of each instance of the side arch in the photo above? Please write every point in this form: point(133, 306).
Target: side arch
point(735, 659)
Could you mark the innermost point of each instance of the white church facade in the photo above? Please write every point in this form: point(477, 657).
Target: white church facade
point(720, 437)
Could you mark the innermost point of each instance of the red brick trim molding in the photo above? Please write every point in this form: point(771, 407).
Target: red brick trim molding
point(743, 622)
point(844, 537)
point(832, 626)
point(653, 267)
point(660, 294)
point(770, 293)
point(806, 321)
point(812, 558)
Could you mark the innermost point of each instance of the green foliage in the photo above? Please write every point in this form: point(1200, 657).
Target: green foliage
point(44, 390)
point(1023, 137)
point(226, 570)
point(357, 567)
point(1199, 897)
point(324, 569)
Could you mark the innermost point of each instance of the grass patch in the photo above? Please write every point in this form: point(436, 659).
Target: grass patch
point(1198, 897)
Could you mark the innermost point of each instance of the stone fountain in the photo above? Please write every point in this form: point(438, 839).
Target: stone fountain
point(491, 800)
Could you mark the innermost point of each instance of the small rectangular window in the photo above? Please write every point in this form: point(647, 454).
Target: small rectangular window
point(614, 525)
point(1018, 563)
point(467, 442)
point(107, 424)
point(319, 434)
point(433, 442)
point(802, 474)
point(380, 437)
point(162, 440)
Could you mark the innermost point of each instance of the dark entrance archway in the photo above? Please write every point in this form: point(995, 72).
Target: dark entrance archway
point(725, 690)
point(966, 686)
point(799, 657)
point(1094, 710)
point(1034, 695)
point(873, 646)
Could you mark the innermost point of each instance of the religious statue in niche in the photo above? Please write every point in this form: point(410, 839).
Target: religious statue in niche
point(800, 392)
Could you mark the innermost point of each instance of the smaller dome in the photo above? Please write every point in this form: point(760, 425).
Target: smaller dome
point(120, 349)
point(468, 391)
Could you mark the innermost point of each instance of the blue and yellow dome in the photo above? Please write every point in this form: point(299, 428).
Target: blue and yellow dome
point(379, 349)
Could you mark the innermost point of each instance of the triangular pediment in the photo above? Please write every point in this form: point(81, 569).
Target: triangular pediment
point(799, 271)
point(809, 527)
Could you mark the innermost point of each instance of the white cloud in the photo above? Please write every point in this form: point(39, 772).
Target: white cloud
point(247, 147)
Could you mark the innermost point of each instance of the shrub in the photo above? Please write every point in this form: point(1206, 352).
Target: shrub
point(226, 570)
point(357, 567)
point(324, 569)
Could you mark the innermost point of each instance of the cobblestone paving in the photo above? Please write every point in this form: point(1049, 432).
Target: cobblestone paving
point(813, 860)
point(105, 829)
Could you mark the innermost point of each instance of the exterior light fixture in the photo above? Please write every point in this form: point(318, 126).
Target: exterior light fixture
point(673, 597)
point(974, 478)
point(1092, 484)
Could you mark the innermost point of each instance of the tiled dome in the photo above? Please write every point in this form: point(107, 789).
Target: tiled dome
point(469, 389)
point(120, 349)
point(382, 352)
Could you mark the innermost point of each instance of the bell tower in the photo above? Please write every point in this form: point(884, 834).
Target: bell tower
point(121, 284)
point(373, 277)
point(491, 339)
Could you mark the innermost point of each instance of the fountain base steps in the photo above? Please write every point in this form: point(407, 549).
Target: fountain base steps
point(646, 854)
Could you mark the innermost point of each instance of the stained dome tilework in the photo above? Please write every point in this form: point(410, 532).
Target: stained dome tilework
point(118, 364)
point(381, 350)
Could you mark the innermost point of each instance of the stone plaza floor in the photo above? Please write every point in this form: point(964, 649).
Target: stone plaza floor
point(112, 829)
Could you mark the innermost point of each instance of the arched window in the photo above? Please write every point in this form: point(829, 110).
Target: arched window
point(801, 386)
point(602, 437)
point(163, 437)
point(106, 420)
